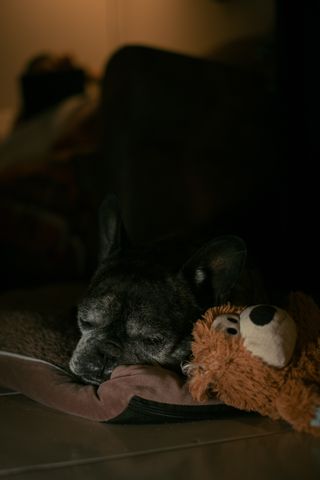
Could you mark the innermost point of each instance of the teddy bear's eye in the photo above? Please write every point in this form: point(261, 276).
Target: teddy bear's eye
point(233, 320)
point(232, 331)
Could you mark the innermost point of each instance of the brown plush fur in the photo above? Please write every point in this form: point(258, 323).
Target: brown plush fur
point(221, 365)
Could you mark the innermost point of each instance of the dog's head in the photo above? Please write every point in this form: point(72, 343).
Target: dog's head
point(142, 302)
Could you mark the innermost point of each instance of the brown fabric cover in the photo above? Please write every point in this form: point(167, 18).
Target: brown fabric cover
point(51, 338)
point(54, 388)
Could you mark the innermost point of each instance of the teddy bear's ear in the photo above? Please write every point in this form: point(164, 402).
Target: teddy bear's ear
point(215, 269)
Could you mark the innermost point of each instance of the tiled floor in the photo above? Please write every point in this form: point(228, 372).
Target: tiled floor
point(40, 443)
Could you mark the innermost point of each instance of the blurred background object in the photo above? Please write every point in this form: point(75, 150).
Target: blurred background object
point(174, 104)
point(46, 80)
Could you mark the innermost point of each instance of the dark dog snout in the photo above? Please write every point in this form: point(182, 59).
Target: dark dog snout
point(105, 353)
point(110, 350)
point(94, 361)
point(262, 314)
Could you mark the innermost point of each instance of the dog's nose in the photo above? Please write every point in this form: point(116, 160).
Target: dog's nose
point(110, 349)
point(262, 314)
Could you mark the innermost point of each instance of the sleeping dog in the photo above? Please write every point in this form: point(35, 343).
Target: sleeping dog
point(142, 301)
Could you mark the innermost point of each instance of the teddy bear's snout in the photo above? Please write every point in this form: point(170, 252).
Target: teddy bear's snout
point(228, 323)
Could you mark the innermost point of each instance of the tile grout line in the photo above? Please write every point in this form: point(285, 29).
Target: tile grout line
point(123, 456)
point(8, 394)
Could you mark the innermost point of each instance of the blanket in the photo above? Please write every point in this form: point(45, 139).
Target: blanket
point(34, 353)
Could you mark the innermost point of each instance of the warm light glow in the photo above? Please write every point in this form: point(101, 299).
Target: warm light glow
point(92, 30)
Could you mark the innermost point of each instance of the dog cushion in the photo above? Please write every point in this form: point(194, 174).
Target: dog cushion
point(34, 353)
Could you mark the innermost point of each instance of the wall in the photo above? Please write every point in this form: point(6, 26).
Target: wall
point(191, 26)
point(30, 26)
point(93, 29)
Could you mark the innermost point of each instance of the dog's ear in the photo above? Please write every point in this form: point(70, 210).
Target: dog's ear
point(215, 269)
point(113, 237)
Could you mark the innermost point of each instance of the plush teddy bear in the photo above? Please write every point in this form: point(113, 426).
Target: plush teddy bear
point(261, 358)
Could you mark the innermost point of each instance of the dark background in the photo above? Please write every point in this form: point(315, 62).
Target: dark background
point(298, 86)
point(186, 144)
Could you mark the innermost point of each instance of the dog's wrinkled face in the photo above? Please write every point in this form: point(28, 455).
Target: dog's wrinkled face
point(142, 302)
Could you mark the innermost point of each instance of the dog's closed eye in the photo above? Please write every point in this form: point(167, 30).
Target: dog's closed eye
point(153, 339)
point(90, 320)
point(86, 324)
